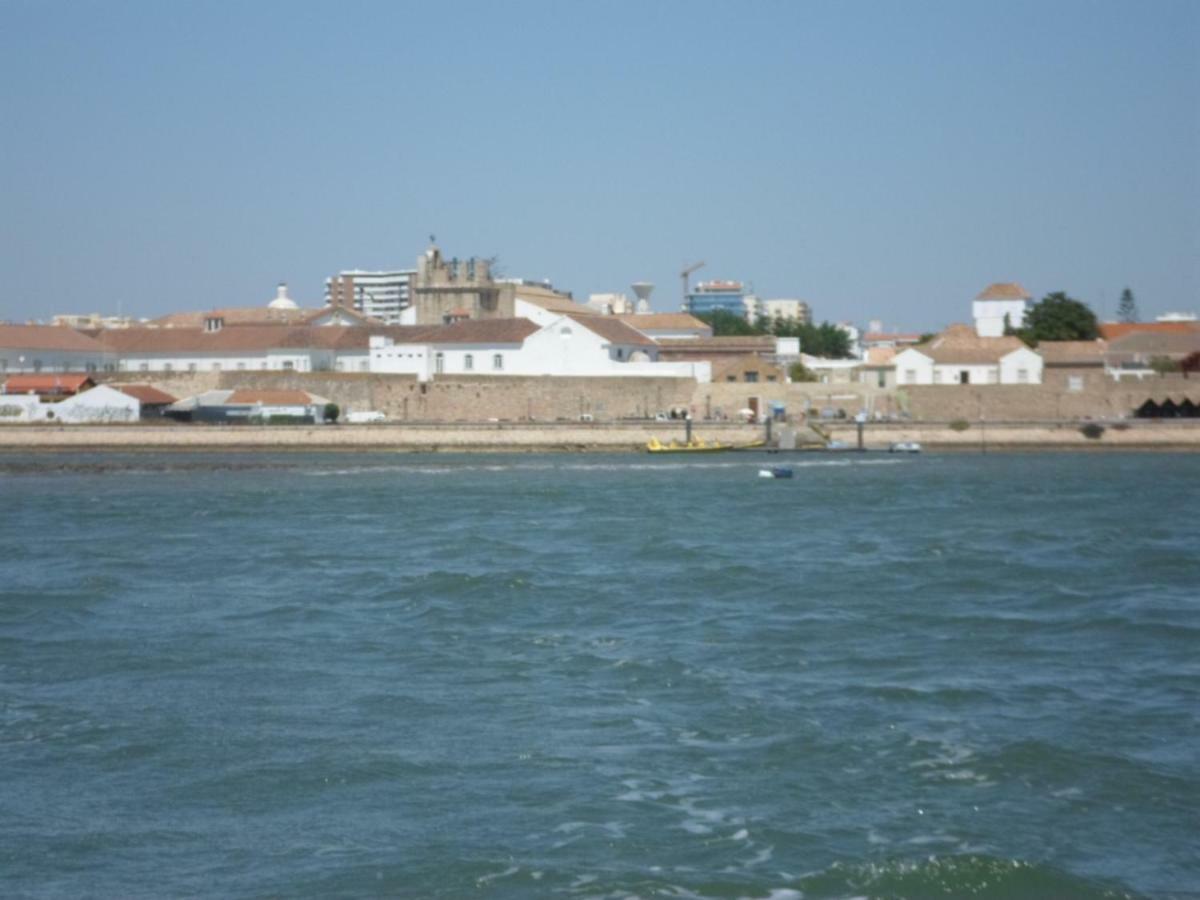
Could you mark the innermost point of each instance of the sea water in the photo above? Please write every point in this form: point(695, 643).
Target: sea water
point(599, 676)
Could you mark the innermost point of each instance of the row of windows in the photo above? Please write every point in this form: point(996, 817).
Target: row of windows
point(288, 365)
point(962, 376)
point(439, 362)
point(70, 366)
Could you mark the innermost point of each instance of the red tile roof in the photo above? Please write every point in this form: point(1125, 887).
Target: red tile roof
point(663, 321)
point(960, 345)
point(1110, 331)
point(233, 338)
point(46, 337)
point(1003, 290)
point(145, 393)
point(255, 315)
point(48, 383)
point(613, 330)
point(1072, 353)
point(270, 398)
point(475, 331)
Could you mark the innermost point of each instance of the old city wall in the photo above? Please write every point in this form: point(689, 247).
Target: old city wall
point(1101, 399)
point(516, 398)
point(453, 398)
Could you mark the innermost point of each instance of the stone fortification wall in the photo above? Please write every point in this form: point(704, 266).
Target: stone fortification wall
point(1101, 399)
point(624, 436)
point(457, 398)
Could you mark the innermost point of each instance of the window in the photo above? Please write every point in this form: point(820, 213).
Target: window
point(241, 366)
point(731, 378)
point(191, 367)
point(1022, 376)
point(620, 353)
point(91, 367)
point(288, 364)
point(882, 375)
point(910, 376)
point(468, 363)
point(937, 376)
point(37, 365)
point(364, 366)
point(144, 367)
point(166, 367)
point(216, 367)
point(751, 377)
point(1074, 382)
point(439, 362)
point(498, 361)
point(964, 377)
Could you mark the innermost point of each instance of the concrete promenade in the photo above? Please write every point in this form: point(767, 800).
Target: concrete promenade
point(530, 437)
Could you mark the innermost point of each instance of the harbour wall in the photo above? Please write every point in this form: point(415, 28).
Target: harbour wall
point(460, 398)
point(455, 398)
point(576, 436)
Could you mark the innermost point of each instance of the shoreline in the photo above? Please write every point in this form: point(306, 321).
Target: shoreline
point(512, 437)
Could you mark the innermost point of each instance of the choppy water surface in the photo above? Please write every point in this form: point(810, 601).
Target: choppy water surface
point(432, 676)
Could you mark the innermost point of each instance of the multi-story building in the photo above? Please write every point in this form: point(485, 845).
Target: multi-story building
point(728, 296)
point(782, 308)
point(380, 295)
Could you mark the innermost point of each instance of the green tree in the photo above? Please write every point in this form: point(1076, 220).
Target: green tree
point(1057, 317)
point(332, 412)
point(1127, 310)
point(725, 323)
point(825, 340)
point(797, 371)
point(1164, 365)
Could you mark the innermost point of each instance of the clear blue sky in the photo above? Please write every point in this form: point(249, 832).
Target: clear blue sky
point(878, 159)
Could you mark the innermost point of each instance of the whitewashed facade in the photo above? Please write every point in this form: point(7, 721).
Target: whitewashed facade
point(99, 405)
point(1019, 366)
point(564, 347)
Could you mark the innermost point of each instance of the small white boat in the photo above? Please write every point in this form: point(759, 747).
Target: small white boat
point(775, 472)
point(905, 447)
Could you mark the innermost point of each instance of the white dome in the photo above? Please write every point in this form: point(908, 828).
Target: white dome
point(282, 300)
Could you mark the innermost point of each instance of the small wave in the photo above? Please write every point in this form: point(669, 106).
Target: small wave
point(978, 876)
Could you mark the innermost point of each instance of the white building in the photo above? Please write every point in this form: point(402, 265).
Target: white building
point(781, 308)
point(566, 346)
point(999, 305)
point(377, 294)
point(98, 405)
point(960, 356)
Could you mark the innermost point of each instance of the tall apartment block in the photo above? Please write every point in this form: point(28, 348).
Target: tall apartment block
point(381, 295)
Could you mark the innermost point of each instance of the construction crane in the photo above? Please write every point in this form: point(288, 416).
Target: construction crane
point(688, 270)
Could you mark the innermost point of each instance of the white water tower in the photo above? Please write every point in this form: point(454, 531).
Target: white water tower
point(643, 290)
